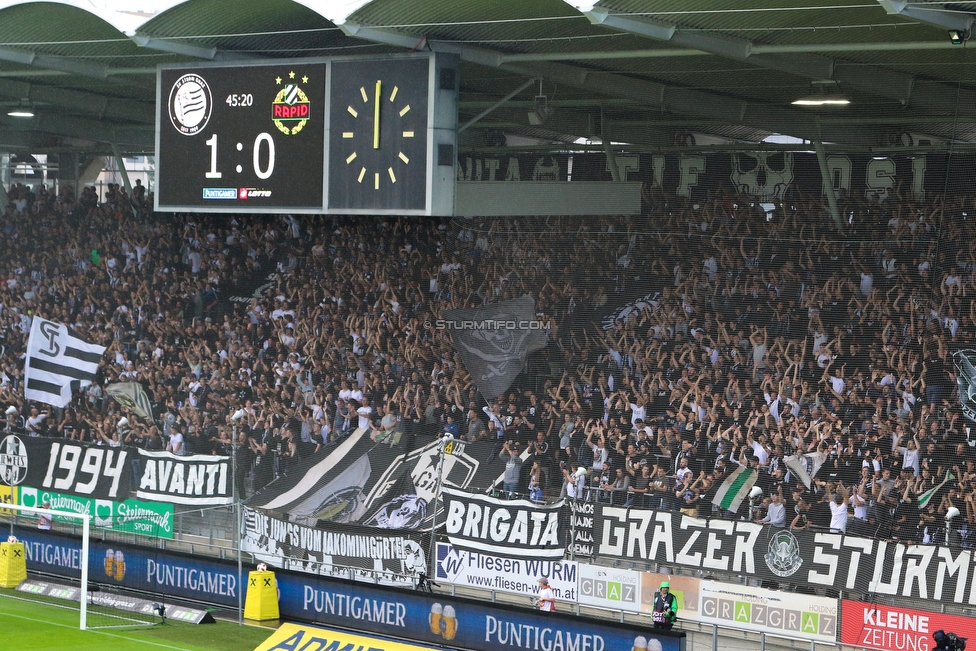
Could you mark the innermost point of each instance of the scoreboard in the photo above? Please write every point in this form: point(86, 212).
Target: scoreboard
point(340, 135)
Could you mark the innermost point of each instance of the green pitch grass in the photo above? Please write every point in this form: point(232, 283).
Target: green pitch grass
point(28, 626)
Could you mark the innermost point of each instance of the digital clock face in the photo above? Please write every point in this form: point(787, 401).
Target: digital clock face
point(241, 139)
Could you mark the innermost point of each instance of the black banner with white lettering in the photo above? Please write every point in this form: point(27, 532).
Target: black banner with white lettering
point(815, 559)
point(198, 480)
point(106, 473)
point(388, 557)
point(513, 528)
point(771, 176)
point(91, 471)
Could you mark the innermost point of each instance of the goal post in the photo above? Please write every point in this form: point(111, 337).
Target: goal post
point(63, 553)
point(44, 519)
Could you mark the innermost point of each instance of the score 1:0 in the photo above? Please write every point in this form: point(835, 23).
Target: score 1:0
point(255, 156)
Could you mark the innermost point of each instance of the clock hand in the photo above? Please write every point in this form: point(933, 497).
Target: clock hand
point(376, 117)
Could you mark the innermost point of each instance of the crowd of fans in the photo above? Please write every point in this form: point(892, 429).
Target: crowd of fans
point(761, 336)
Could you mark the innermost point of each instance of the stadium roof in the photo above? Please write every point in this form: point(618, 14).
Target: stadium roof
point(650, 73)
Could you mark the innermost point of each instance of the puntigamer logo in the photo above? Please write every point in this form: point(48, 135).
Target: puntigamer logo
point(220, 193)
point(13, 461)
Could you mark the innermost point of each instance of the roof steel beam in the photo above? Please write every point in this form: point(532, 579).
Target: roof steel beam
point(673, 98)
point(879, 81)
point(99, 105)
point(175, 46)
point(47, 62)
point(933, 14)
point(678, 99)
point(795, 48)
point(137, 137)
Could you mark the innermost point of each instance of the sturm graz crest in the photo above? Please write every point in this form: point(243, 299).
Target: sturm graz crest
point(13, 461)
point(783, 555)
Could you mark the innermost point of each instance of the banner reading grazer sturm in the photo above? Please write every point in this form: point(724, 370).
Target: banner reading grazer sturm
point(198, 479)
point(463, 567)
point(748, 549)
point(495, 340)
point(92, 471)
point(513, 528)
point(346, 551)
point(130, 516)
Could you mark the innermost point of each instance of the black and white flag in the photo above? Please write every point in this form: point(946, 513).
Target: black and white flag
point(59, 362)
point(133, 396)
point(965, 362)
point(806, 466)
point(495, 340)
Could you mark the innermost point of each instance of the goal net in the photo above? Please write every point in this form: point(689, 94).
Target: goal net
point(73, 564)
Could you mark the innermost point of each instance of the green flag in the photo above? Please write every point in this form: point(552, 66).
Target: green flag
point(735, 488)
point(926, 497)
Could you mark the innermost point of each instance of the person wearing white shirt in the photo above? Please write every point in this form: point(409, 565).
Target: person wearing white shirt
point(364, 411)
point(774, 401)
point(356, 394)
point(775, 512)
point(639, 411)
point(838, 510)
point(859, 500)
point(760, 451)
point(911, 457)
point(345, 393)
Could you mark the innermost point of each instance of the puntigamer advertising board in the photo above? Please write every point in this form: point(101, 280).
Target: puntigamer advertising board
point(442, 620)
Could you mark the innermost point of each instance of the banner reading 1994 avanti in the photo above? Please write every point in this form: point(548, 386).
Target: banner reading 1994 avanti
point(106, 473)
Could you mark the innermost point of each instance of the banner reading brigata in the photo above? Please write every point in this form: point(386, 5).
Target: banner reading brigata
point(888, 628)
point(749, 549)
point(516, 528)
point(388, 557)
